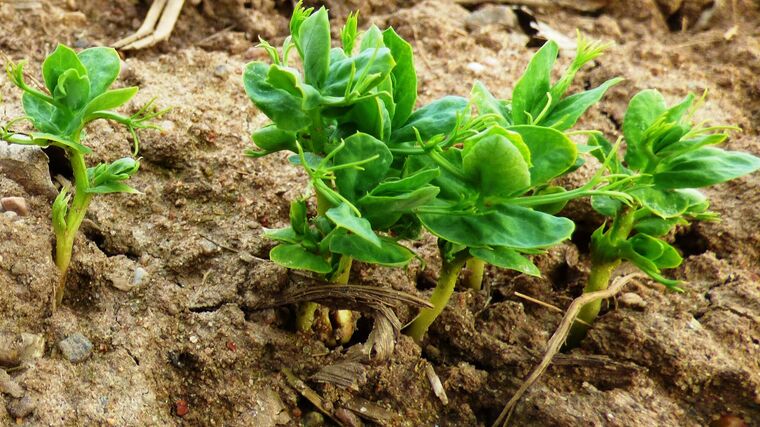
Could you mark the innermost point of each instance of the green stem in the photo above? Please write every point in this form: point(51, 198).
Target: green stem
point(443, 290)
point(65, 239)
point(474, 273)
point(604, 261)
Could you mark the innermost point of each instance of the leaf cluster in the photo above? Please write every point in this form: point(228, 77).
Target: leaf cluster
point(477, 172)
point(667, 159)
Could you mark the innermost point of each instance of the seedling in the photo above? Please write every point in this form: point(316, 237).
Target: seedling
point(76, 93)
point(338, 115)
point(668, 157)
point(537, 102)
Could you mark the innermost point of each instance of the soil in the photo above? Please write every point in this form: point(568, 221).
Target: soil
point(186, 347)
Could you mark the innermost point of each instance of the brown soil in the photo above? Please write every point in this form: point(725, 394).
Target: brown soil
point(187, 332)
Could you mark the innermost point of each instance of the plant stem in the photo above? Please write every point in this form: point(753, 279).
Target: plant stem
point(474, 273)
point(443, 290)
point(604, 261)
point(65, 240)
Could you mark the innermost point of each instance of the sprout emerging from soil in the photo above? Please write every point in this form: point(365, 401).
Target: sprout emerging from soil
point(668, 158)
point(76, 92)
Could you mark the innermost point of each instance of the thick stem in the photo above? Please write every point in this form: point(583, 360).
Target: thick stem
point(474, 273)
point(65, 240)
point(604, 261)
point(443, 290)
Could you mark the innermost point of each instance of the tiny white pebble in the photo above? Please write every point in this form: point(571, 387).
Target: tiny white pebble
point(476, 67)
point(193, 339)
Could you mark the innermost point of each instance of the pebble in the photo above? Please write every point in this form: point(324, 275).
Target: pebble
point(75, 348)
point(221, 71)
point(8, 386)
point(15, 204)
point(10, 215)
point(21, 408)
point(181, 407)
point(140, 275)
point(313, 419)
point(476, 67)
point(499, 15)
point(207, 247)
point(633, 300)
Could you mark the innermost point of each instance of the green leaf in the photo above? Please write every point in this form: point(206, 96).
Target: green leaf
point(349, 32)
point(551, 208)
point(354, 183)
point(511, 226)
point(314, 37)
point(486, 103)
point(370, 116)
point(643, 109)
point(567, 111)
point(297, 258)
point(496, 166)
point(529, 95)
point(370, 66)
point(286, 235)
point(103, 65)
point(438, 117)
point(704, 167)
point(552, 153)
point(298, 218)
point(406, 184)
point(506, 258)
point(42, 114)
point(605, 205)
point(272, 139)
point(106, 178)
point(72, 89)
point(344, 217)
point(384, 211)
point(281, 106)
point(659, 252)
point(404, 76)
point(691, 144)
point(61, 60)
point(110, 100)
point(663, 203)
point(389, 252)
point(655, 226)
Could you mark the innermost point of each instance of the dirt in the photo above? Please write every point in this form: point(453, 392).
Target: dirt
point(185, 346)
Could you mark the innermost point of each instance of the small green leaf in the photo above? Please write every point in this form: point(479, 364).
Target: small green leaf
point(406, 184)
point(272, 139)
point(344, 217)
point(298, 258)
point(704, 167)
point(567, 111)
point(643, 110)
point(314, 38)
point(103, 65)
point(551, 208)
point(552, 153)
point(438, 117)
point(354, 183)
point(389, 252)
point(110, 100)
point(663, 203)
point(404, 77)
point(605, 205)
point(529, 96)
point(371, 65)
point(72, 89)
point(384, 211)
point(61, 60)
point(286, 235)
point(486, 103)
point(278, 104)
point(496, 166)
point(506, 258)
point(655, 226)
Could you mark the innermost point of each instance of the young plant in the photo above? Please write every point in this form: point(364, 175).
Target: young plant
point(536, 101)
point(668, 158)
point(76, 92)
point(338, 115)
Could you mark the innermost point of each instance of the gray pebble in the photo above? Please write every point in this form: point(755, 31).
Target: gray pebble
point(8, 386)
point(632, 300)
point(10, 215)
point(207, 247)
point(221, 71)
point(140, 275)
point(21, 408)
point(497, 15)
point(75, 348)
point(15, 204)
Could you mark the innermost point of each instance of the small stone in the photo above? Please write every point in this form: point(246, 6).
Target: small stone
point(207, 247)
point(632, 300)
point(193, 339)
point(21, 408)
point(15, 204)
point(8, 386)
point(140, 275)
point(476, 67)
point(10, 215)
point(82, 43)
point(181, 407)
point(348, 418)
point(221, 71)
point(75, 348)
point(729, 420)
point(313, 419)
point(498, 15)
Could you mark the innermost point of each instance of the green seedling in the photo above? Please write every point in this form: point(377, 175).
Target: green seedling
point(536, 101)
point(76, 92)
point(667, 159)
point(337, 115)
